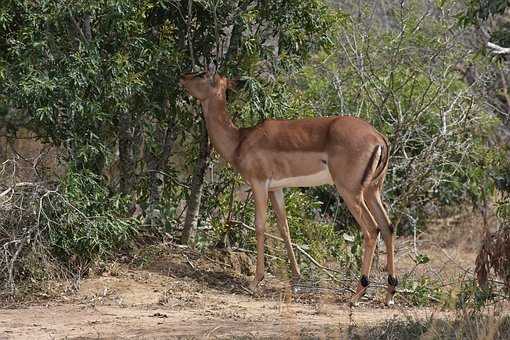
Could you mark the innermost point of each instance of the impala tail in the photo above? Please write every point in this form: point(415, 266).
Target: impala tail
point(377, 164)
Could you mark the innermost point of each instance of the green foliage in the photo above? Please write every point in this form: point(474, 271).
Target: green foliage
point(83, 74)
point(437, 128)
point(421, 291)
point(94, 77)
point(73, 84)
point(319, 238)
point(88, 222)
point(479, 10)
point(472, 296)
point(502, 181)
point(53, 228)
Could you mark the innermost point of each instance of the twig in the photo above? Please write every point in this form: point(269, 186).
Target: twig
point(12, 286)
point(218, 262)
point(496, 49)
point(254, 252)
point(77, 26)
point(301, 250)
point(190, 263)
point(190, 38)
point(208, 335)
point(8, 190)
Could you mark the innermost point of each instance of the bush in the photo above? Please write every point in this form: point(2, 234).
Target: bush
point(473, 326)
point(51, 228)
point(92, 223)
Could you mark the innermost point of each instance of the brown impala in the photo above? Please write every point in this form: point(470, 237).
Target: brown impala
point(275, 154)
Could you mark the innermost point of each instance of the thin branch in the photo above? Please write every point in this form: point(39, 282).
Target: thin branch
point(301, 250)
point(496, 49)
point(77, 26)
point(188, 28)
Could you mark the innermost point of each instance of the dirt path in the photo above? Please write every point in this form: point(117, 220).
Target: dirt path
point(172, 293)
point(148, 305)
point(178, 296)
point(262, 320)
point(244, 318)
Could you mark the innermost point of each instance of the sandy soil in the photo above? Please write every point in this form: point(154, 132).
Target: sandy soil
point(177, 293)
point(150, 305)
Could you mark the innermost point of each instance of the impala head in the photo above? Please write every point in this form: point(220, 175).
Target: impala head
point(203, 85)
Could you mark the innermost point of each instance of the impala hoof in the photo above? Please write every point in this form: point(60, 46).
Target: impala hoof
point(253, 286)
point(296, 285)
point(296, 280)
point(360, 291)
point(354, 303)
point(389, 298)
point(357, 297)
point(389, 303)
point(392, 284)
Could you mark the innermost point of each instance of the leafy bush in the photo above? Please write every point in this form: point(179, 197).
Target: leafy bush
point(436, 126)
point(91, 222)
point(50, 228)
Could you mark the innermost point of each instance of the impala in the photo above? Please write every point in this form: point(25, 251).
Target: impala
point(275, 154)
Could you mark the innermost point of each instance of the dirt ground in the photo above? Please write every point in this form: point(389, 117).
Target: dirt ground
point(175, 293)
point(149, 305)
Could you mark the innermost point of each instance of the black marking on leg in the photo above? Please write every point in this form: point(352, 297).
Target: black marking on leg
point(392, 281)
point(324, 161)
point(391, 228)
point(364, 281)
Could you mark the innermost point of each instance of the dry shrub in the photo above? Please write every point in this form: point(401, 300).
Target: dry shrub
point(492, 325)
point(24, 250)
point(494, 254)
point(56, 229)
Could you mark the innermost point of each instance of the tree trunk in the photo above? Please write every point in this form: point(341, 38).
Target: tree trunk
point(190, 222)
point(87, 32)
point(235, 37)
point(156, 160)
point(126, 157)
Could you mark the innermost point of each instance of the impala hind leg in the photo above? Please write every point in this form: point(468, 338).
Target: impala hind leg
point(368, 226)
point(260, 194)
point(374, 203)
point(277, 201)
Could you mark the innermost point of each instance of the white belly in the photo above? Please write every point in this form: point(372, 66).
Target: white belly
point(319, 178)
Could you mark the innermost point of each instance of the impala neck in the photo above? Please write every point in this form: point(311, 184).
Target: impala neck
point(223, 133)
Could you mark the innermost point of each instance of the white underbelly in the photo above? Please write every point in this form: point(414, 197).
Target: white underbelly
point(318, 178)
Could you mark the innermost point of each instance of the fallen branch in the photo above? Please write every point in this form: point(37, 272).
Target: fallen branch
point(496, 49)
point(189, 262)
point(8, 190)
point(254, 252)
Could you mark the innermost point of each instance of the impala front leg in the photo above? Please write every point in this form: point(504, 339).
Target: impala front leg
point(277, 201)
point(260, 193)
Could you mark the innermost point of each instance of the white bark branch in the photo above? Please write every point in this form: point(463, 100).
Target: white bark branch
point(496, 49)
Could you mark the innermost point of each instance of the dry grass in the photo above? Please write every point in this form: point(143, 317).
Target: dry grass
point(494, 257)
point(478, 326)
